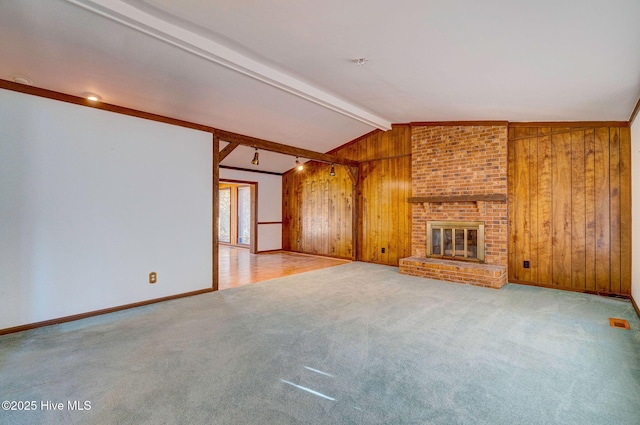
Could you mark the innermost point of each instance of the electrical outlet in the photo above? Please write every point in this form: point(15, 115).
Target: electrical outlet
point(153, 277)
point(383, 250)
point(526, 264)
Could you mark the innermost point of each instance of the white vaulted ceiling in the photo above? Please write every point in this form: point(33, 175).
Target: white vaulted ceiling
point(283, 70)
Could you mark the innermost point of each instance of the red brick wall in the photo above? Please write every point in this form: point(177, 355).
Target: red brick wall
point(461, 160)
point(455, 271)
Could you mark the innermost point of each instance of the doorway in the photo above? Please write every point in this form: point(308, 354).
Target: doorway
point(237, 218)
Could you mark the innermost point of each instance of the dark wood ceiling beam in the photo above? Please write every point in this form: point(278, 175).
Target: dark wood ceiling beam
point(227, 150)
point(266, 145)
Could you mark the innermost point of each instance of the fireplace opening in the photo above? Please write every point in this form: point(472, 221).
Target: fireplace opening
point(456, 240)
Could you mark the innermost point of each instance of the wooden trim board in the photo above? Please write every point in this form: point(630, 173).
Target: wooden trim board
point(227, 150)
point(570, 124)
point(580, 290)
point(634, 114)
point(458, 123)
point(215, 209)
point(498, 197)
point(99, 312)
point(273, 173)
point(253, 187)
point(635, 306)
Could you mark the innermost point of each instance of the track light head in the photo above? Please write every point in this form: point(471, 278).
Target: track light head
point(256, 159)
point(299, 165)
point(332, 173)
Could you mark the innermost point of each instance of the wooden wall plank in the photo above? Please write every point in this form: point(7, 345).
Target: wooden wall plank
point(299, 210)
point(614, 210)
point(561, 175)
point(367, 224)
point(533, 208)
point(375, 192)
point(215, 212)
point(545, 210)
point(372, 146)
point(394, 214)
point(287, 226)
point(363, 224)
point(603, 267)
point(578, 213)
point(625, 211)
point(523, 211)
point(590, 210)
point(405, 237)
point(511, 205)
point(384, 149)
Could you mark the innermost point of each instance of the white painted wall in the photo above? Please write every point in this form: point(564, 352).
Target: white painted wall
point(635, 210)
point(269, 205)
point(91, 202)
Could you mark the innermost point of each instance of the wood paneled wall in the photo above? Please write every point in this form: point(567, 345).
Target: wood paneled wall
point(384, 215)
point(318, 209)
point(570, 207)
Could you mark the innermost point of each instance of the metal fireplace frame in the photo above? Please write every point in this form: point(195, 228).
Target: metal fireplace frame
point(456, 226)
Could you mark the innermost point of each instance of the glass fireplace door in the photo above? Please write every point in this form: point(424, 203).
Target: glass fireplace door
point(456, 240)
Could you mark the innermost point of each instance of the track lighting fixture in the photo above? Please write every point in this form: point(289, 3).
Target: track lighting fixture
point(332, 173)
point(255, 160)
point(299, 164)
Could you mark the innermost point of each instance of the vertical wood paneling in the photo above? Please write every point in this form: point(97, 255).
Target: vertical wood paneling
point(614, 209)
point(590, 210)
point(404, 237)
point(305, 194)
point(603, 253)
point(511, 206)
point(385, 216)
point(324, 205)
point(394, 224)
point(533, 206)
point(363, 225)
point(578, 211)
point(545, 210)
point(561, 176)
point(570, 192)
point(370, 239)
point(625, 210)
point(523, 212)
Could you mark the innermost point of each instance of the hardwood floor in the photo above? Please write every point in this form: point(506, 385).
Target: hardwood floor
point(237, 266)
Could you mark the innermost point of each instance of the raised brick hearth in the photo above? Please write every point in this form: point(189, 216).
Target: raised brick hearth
point(455, 271)
point(450, 161)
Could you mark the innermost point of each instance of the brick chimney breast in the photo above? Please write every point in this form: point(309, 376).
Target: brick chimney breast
point(460, 160)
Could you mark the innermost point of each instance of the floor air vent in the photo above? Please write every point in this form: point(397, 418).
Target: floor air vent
point(618, 323)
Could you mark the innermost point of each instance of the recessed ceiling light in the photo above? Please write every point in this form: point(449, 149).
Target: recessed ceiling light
point(92, 97)
point(21, 79)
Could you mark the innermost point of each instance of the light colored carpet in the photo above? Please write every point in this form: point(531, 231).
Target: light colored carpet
point(351, 344)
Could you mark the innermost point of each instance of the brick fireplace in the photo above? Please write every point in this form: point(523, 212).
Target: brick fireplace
point(459, 174)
